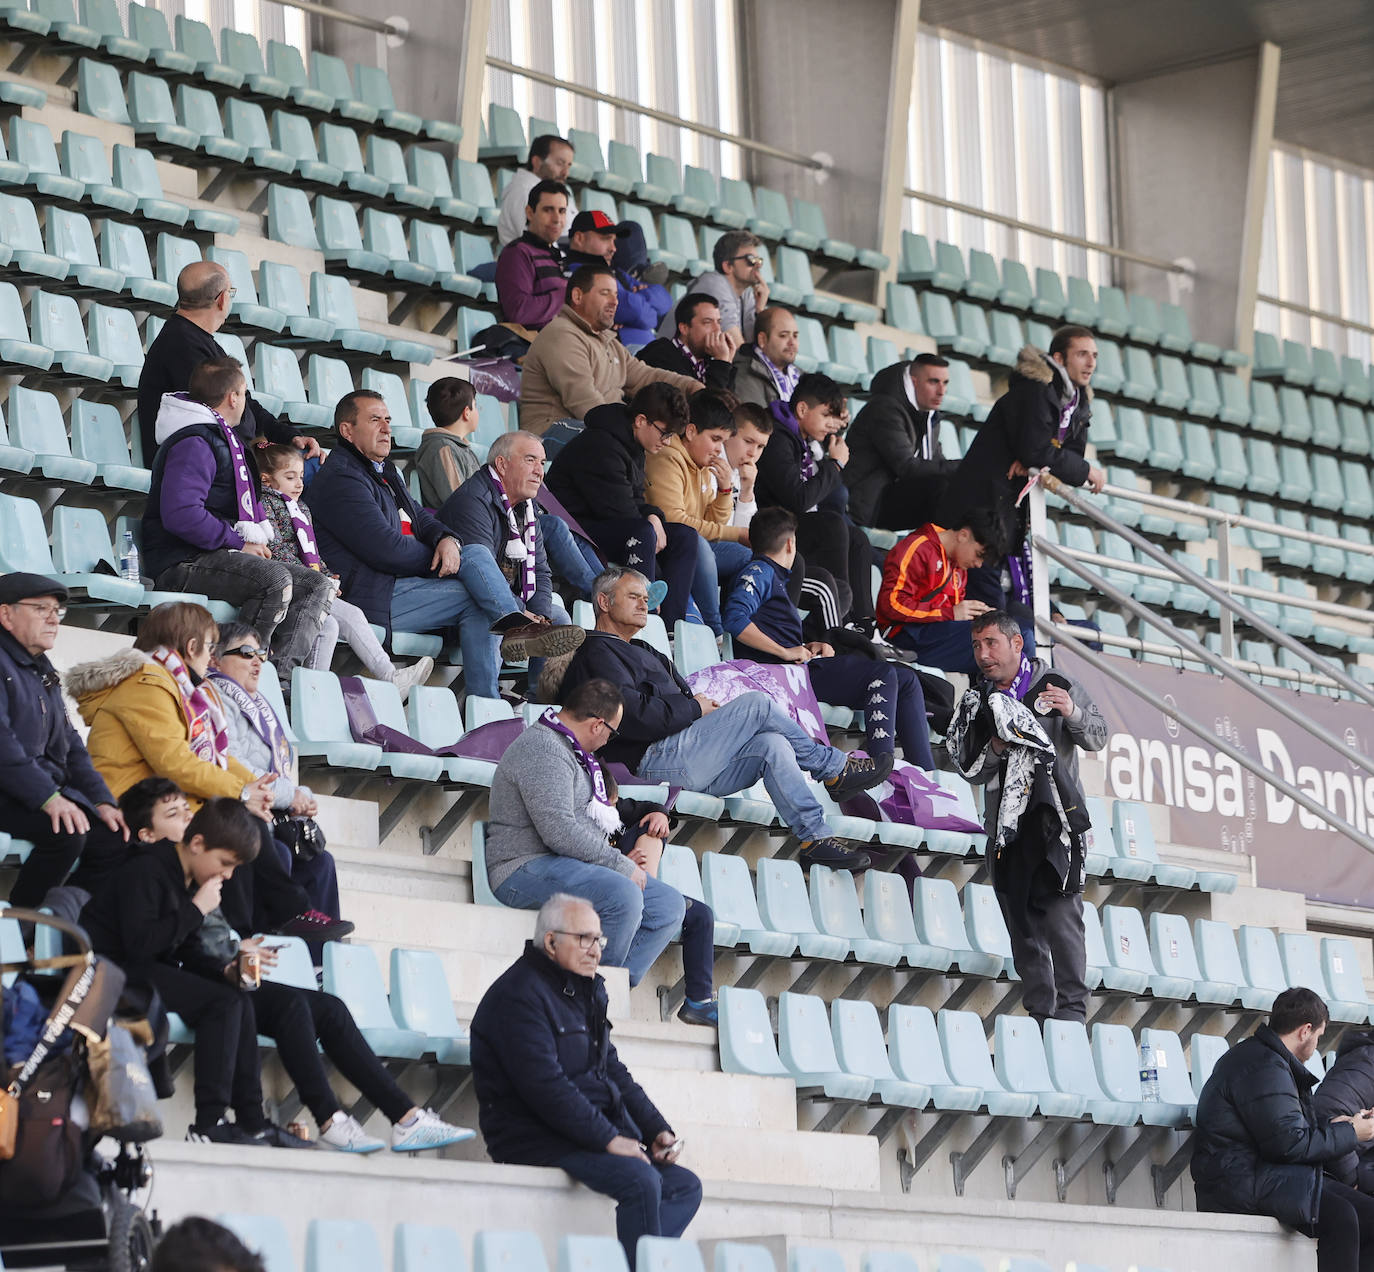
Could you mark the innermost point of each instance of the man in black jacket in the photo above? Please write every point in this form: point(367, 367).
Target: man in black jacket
point(551, 1090)
point(699, 347)
point(1041, 421)
point(186, 340)
point(49, 789)
point(1260, 1145)
point(669, 734)
point(1347, 1088)
point(599, 479)
point(896, 471)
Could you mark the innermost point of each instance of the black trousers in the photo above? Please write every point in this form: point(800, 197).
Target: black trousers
point(1345, 1229)
point(630, 542)
point(887, 693)
point(908, 502)
point(1047, 942)
point(226, 1051)
point(699, 950)
point(263, 898)
point(295, 1019)
point(54, 853)
point(829, 541)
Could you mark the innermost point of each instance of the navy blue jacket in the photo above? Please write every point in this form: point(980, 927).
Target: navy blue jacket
point(548, 1080)
point(474, 513)
point(40, 752)
point(759, 596)
point(658, 702)
point(357, 515)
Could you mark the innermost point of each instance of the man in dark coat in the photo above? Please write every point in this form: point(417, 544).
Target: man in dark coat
point(396, 562)
point(551, 1090)
point(698, 348)
point(1347, 1088)
point(599, 479)
point(1041, 421)
point(187, 338)
point(49, 789)
point(896, 472)
point(1260, 1145)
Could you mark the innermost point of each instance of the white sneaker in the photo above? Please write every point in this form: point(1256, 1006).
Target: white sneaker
point(425, 1132)
point(406, 678)
point(347, 1135)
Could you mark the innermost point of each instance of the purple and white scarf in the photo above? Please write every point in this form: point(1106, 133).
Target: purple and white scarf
point(245, 488)
point(1066, 416)
point(600, 809)
point(698, 366)
point(261, 719)
point(1021, 682)
point(520, 545)
point(785, 381)
point(207, 731)
point(305, 534)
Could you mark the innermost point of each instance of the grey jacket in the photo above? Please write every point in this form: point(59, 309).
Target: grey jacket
point(247, 746)
point(1088, 729)
point(539, 798)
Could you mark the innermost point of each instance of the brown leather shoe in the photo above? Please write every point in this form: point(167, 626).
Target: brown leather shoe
point(539, 640)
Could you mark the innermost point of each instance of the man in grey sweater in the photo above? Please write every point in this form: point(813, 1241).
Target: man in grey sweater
point(550, 825)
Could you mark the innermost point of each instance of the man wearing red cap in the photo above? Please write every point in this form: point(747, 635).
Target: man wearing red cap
point(594, 239)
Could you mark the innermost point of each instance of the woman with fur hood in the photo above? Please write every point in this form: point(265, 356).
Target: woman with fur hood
point(1041, 421)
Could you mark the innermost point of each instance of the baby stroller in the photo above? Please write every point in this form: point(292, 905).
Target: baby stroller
point(67, 1200)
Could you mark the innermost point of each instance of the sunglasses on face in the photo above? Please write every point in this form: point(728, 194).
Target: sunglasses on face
point(245, 651)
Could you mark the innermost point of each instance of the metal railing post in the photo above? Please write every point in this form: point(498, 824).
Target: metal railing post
point(1228, 620)
point(1040, 567)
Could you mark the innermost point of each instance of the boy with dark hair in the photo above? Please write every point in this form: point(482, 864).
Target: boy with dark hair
point(201, 1245)
point(155, 809)
point(753, 428)
point(922, 602)
point(760, 616)
point(445, 459)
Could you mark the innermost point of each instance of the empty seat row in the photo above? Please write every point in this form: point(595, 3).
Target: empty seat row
point(1315, 368)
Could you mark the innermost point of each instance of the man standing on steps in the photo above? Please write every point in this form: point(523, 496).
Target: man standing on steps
point(187, 339)
point(551, 1090)
point(1040, 894)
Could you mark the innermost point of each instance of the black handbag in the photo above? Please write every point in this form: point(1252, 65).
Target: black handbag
point(300, 834)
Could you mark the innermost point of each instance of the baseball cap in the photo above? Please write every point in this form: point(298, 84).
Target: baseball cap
point(598, 223)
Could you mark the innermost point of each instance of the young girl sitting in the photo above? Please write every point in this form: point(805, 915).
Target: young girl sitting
point(283, 479)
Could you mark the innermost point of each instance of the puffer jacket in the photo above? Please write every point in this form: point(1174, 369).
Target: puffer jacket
point(139, 730)
point(1260, 1146)
point(1347, 1089)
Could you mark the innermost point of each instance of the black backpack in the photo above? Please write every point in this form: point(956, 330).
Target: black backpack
point(48, 1149)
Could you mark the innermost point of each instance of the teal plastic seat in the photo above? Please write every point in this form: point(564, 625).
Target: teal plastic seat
point(55, 322)
point(84, 556)
point(1295, 475)
point(1134, 837)
point(1117, 1059)
point(494, 1251)
point(1199, 460)
point(746, 1034)
point(940, 925)
point(1355, 381)
point(505, 135)
point(1112, 316)
point(324, 164)
point(917, 263)
point(888, 917)
point(940, 324)
point(1260, 460)
point(774, 214)
point(983, 281)
point(472, 184)
point(21, 238)
point(148, 27)
point(808, 1051)
point(973, 326)
point(199, 111)
point(1016, 291)
point(13, 459)
point(240, 50)
point(1206, 1049)
point(835, 908)
point(1021, 1067)
point(343, 244)
point(70, 237)
point(1302, 966)
point(340, 149)
point(730, 895)
point(1354, 430)
point(266, 1236)
point(327, 380)
point(694, 647)
point(320, 721)
point(1326, 429)
point(246, 123)
point(1259, 956)
point(1171, 945)
point(1175, 1085)
point(1166, 444)
point(1328, 488)
point(331, 303)
point(738, 196)
point(733, 1256)
point(1264, 408)
point(351, 972)
point(1069, 1058)
point(903, 310)
point(24, 542)
point(985, 926)
point(99, 92)
point(421, 1000)
point(289, 219)
point(678, 869)
point(623, 160)
point(814, 1259)
point(949, 274)
point(591, 1254)
point(195, 40)
point(427, 171)
point(1145, 325)
point(386, 162)
point(1343, 983)
point(1354, 482)
point(916, 1058)
point(848, 360)
point(785, 906)
point(422, 1247)
point(114, 337)
point(284, 62)
point(1296, 423)
point(1139, 382)
point(432, 249)
point(278, 367)
point(1176, 334)
point(283, 293)
point(83, 160)
point(1127, 947)
point(1080, 303)
point(31, 147)
point(245, 306)
point(374, 89)
point(1174, 392)
point(1111, 372)
point(1049, 300)
point(385, 701)
point(155, 120)
point(1235, 402)
point(174, 254)
point(433, 719)
point(341, 1245)
point(857, 1035)
point(135, 171)
point(124, 250)
point(1006, 339)
point(965, 1050)
point(1204, 393)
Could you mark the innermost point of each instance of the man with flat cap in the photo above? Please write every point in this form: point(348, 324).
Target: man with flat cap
point(187, 339)
point(49, 789)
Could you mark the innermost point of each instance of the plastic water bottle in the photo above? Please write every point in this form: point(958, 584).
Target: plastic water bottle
point(128, 563)
point(1149, 1074)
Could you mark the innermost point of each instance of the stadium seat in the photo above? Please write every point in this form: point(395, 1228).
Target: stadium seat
point(351, 973)
point(729, 893)
point(835, 908)
point(1166, 444)
point(385, 702)
point(331, 303)
point(266, 1236)
point(746, 1034)
point(1117, 1060)
point(940, 926)
point(196, 41)
point(341, 1245)
point(888, 917)
point(21, 244)
point(734, 1256)
point(1206, 1049)
point(320, 721)
point(124, 251)
point(964, 1047)
point(1355, 380)
point(1021, 1067)
point(1069, 1058)
point(245, 306)
point(56, 325)
point(84, 557)
point(1123, 930)
point(1302, 966)
point(31, 147)
point(938, 314)
point(1111, 373)
point(135, 172)
point(278, 367)
point(431, 249)
point(785, 906)
point(1080, 304)
point(917, 263)
point(1175, 1084)
point(83, 160)
point(472, 184)
point(807, 1049)
point(1112, 316)
point(1171, 946)
point(114, 337)
point(283, 294)
point(1139, 380)
point(985, 925)
point(421, 1000)
point(949, 273)
point(420, 1247)
point(591, 1254)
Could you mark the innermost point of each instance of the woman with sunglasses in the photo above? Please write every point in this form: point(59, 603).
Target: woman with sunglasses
point(258, 741)
point(152, 713)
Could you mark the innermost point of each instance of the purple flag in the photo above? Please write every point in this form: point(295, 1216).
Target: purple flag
point(786, 683)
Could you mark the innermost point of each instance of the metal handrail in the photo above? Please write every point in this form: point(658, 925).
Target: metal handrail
point(1121, 253)
point(1320, 314)
point(624, 103)
point(397, 31)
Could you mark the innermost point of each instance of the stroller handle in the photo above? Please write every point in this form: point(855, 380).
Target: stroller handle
point(76, 933)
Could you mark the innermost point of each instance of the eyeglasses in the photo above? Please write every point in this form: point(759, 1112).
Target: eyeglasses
point(749, 259)
point(245, 651)
point(585, 940)
point(610, 728)
point(662, 428)
point(58, 612)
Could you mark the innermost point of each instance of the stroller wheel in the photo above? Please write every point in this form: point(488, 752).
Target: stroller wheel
point(131, 1239)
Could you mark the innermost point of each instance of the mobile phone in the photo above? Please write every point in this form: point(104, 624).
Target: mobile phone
point(676, 1145)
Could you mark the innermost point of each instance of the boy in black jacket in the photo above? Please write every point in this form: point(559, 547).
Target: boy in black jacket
point(599, 478)
point(801, 469)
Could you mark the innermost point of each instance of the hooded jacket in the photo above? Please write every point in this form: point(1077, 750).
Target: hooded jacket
point(1347, 1089)
point(892, 440)
point(688, 494)
point(599, 474)
point(139, 730)
point(779, 482)
point(1022, 425)
point(1260, 1147)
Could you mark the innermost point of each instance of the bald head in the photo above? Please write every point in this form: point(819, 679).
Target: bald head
point(201, 284)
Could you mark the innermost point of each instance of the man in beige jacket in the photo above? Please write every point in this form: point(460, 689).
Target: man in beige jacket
point(576, 362)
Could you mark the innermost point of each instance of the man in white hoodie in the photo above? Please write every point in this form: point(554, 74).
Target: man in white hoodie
point(204, 529)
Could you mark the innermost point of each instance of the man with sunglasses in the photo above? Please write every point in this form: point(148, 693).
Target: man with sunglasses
point(551, 1090)
point(736, 285)
point(50, 792)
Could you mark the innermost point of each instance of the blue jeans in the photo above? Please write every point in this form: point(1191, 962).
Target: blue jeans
point(637, 925)
point(429, 605)
point(570, 558)
point(747, 739)
point(717, 564)
point(651, 1200)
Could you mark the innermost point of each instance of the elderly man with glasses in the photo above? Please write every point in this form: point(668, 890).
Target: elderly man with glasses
point(551, 1090)
point(50, 791)
point(553, 820)
point(736, 284)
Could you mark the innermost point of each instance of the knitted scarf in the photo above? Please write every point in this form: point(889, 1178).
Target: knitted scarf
point(206, 730)
point(521, 543)
point(600, 810)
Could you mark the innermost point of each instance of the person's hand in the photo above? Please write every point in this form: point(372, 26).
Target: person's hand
point(447, 557)
point(113, 817)
point(257, 795)
point(66, 816)
point(664, 1148)
point(797, 654)
point(1363, 1122)
point(819, 649)
point(1097, 478)
point(257, 550)
point(639, 878)
point(718, 347)
point(303, 803)
point(839, 450)
point(1017, 469)
point(267, 954)
point(706, 704)
point(969, 609)
point(655, 824)
point(206, 897)
point(760, 296)
point(748, 473)
point(647, 853)
point(660, 534)
point(720, 467)
point(1057, 698)
point(624, 1146)
point(308, 446)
